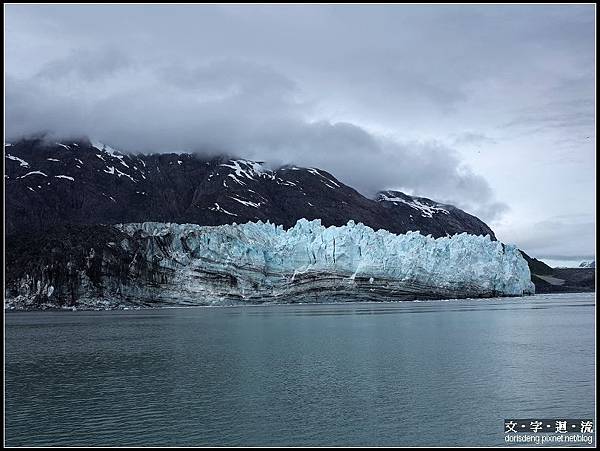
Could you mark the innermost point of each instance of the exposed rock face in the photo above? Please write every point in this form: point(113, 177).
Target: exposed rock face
point(84, 183)
point(67, 266)
point(158, 264)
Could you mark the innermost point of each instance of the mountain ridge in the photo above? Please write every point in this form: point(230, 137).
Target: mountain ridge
point(83, 182)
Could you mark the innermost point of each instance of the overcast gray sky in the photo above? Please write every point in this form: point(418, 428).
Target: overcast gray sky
point(491, 108)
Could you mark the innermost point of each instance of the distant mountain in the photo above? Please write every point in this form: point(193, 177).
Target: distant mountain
point(553, 280)
point(591, 264)
point(81, 182)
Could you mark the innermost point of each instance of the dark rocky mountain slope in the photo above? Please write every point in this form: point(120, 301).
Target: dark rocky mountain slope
point(83, 183)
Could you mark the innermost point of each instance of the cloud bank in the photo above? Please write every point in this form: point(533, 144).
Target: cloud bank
point(229, 106)
point(384, 97)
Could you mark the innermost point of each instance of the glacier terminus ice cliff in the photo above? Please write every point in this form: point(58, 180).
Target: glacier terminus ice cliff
point(166, 264)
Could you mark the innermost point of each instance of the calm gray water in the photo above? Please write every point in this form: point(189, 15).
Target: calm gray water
point(411, 373)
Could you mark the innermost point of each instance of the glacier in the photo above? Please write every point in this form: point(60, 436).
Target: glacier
point(258, 262)
point(155, 264)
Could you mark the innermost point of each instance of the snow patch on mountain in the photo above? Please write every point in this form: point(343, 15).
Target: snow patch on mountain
point(327, 181)
point(33, 173)
point(22, 162)
point(246, 202)
point(427, 210)
point(115, 171)
point(218, 208)
point(110, 151)
point(247, 168)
